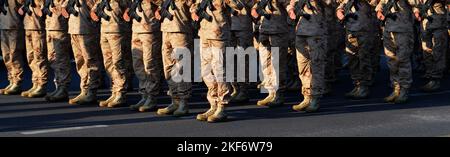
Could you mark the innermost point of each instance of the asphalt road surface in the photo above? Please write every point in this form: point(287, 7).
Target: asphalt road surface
point(427, 114)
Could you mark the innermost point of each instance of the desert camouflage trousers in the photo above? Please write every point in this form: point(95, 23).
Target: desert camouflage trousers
point(398, 48)
point(359, 48)
point(12, 44)
point(37, 56)
point(311, 54)
point(147, 61)
point(114, 48)
point(273, 68)
point(212, 56)
point(178, 89)
point(434, 46)
point(58, 45)
point(85, 48)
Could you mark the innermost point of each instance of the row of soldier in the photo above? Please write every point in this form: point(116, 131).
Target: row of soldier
point(138, 38)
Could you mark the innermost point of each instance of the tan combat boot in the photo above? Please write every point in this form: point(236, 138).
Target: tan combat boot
point(432, 86)
point(141, 102)
point(169, 109)
point(212, 109)
point(38, 92)
point(313, 105)
point(2, 91)
point(266, 100)
point(362, 92)
point(394, 94)
point(26, 93)
point(239, 95)
point(183, 108)
point(14, 89)
point(302, 106)
point(105, 103)
point(278, 100)
point(149, 104)
point(219, 115)
point(85, 97)
point(60, 94)
point(402, 96)
point(351, 94)
point(120, 99)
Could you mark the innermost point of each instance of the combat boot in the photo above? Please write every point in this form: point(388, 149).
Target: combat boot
point(26, 93)
point(141, 102)
point(169, 109)
point(402, 96)
point(212, 109)
point(85, 97)
point(60, 94)
point(394, 94)
point(148, 105)
point(313, 105)
point(13, 89)
point(352, 93)
point(431, 86)
point(302, 106)
point(182, 110)
point(266, 100)
point(105, 103)
point(2, 91)
point(38, 92)
point(240, 96)
point(278, 100)
point(362, 92)
point(219, 115)
point(120, 99)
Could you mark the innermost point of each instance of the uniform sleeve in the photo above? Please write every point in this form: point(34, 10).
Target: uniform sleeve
point(414, 4)
point(97, 2)
point(124, 4)
point(380, 5)
point(194, 6)
point(256, 4)
point(342, 4)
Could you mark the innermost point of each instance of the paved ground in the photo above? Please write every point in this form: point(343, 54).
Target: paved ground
point(425, 115)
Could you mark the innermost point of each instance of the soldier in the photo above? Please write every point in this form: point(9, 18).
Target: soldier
point(273, 33)
point(58, 51)
point(358, 17)
point(36, 47)
point(293, 82)
point(398, 44)
point(114, 42)
point(12, 43)
point(311, 44)
point(176, 34)
point(434, 40)
point(241, 37)
point(215, 36)
point(85, 43)
point(146, 52)
point(335, 34)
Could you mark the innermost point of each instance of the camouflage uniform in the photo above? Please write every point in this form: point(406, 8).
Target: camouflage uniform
point(115, 45)
point(146, 51)
point(57, 44)
point(434, 40)
point(311, 44)
point(272, 34)
point(85, 44)
point(335, 33)
point(361, 36)
point(12, 43)
point(36, 46)
point(214, 38)
point(177, 33)
point(241, 36)
point(398, 46)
